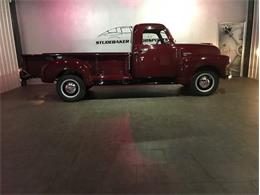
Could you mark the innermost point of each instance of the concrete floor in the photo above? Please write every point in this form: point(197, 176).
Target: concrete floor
point(131, 139)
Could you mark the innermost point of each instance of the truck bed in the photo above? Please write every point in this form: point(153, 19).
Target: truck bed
point(105, 66)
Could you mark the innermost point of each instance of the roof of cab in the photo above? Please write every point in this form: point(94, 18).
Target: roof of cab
point(150, 26)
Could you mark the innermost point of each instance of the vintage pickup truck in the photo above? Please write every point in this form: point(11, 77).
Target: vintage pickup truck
point(155, 58)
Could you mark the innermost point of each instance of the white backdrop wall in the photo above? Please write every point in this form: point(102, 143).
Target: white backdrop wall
point(73, 25)
point(9, 76)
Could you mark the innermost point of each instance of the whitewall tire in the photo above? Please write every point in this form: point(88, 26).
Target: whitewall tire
point(70, 88)
point(204, 83)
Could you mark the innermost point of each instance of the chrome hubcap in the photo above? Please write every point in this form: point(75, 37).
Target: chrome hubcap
point(204, 82)
point(70, 88)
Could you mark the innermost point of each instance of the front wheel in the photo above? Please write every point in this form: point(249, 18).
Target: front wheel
point(71, 88)
point(204, 83)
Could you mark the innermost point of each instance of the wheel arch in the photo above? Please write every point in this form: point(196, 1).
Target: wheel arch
point(69, 72)
point(192, 64)
point(81, 71)
point(53, 70)
point(207, 68)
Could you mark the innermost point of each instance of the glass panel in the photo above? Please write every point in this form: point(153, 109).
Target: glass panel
point(150, 39)
point(164, 36)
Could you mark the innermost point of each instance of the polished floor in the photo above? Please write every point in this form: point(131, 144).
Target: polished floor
point(131, 140)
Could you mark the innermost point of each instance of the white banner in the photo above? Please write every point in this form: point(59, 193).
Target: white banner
point(80, 25)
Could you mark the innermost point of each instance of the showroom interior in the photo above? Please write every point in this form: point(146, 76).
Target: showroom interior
point(142, 136)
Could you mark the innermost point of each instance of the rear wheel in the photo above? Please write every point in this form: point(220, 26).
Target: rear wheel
point(204, 83)
point(71, 88)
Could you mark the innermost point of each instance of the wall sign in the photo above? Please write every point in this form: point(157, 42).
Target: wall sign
point(117, 35)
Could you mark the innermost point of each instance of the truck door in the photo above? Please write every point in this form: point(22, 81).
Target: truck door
point(155, 57)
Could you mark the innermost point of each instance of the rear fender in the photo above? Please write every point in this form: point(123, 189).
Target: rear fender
point(57, 68)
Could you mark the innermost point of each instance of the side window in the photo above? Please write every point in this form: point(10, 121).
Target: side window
point(157, 37)
point(150, 38)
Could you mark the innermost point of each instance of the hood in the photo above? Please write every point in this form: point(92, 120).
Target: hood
point(198, 49)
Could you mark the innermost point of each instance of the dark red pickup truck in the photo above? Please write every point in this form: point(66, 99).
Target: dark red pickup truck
point(155, 58)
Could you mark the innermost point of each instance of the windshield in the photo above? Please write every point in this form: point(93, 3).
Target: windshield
point(169, 35)
point(164, 36)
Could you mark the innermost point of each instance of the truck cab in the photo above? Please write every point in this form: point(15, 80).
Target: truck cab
point(154, 53)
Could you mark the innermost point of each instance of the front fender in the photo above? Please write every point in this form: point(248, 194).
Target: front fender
point(189, 65)
point(56, 68)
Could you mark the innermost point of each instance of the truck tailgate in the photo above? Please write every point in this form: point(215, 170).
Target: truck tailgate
point(32, 65)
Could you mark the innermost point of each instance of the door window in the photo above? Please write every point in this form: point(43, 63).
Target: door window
point(155, 37)
point(150, 38)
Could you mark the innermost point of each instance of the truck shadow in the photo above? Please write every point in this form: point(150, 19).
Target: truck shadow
point(143, 91)
point(48, 92)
